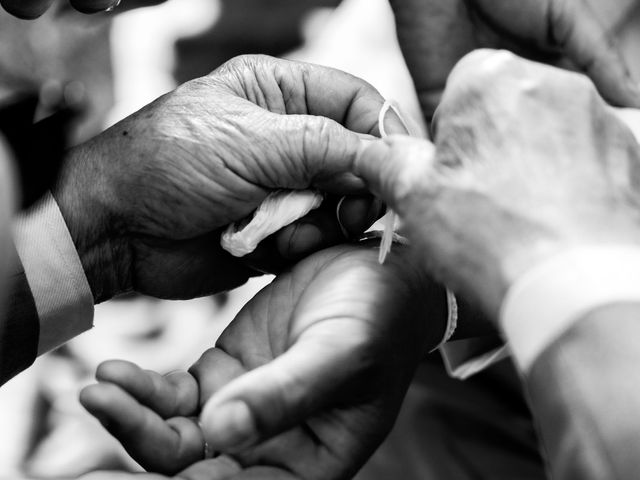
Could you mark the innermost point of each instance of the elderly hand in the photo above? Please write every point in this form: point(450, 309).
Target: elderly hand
point(529, 161)
point(434, 35)
point(304, 383)
point(145, 201)
point(30, 9)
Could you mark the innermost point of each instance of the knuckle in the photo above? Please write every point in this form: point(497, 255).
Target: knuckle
point(581, 85)
point(557, 86)
point(482, 81)
point(244, 63)
point(192, 87)
point(242, 74)
point(497, 88)
point(239, 62)
point(232, 70)
point(317, 133)
point(482, 68)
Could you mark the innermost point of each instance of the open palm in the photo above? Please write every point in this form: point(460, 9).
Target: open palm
point(305, 382)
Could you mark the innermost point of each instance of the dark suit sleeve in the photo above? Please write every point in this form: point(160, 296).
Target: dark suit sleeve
point(585, 395)
point(19, 324)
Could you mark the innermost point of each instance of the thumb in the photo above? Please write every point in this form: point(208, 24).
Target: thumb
point(318, 152)
point(219, 468)
point(593, 50)
point(281, 394)
point(395, 167)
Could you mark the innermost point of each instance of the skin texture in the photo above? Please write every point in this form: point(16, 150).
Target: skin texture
point(435, 35)
point(513, 179)
point(317, 364)
point(146, 201)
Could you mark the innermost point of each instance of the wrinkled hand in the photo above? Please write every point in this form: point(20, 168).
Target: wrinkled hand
point(145, 201)
point(30, 9)
point(528, 161)
point(318, 362)
point(435, 34)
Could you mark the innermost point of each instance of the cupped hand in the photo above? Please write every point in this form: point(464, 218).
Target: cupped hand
point(528, 161)
point(434, 35)
point(145, 201)
point(304, 383)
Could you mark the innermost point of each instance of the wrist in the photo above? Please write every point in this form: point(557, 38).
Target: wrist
point(80, 193)
point(523, 254)
point(563, 290)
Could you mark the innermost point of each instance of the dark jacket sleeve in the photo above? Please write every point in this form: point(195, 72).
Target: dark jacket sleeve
point(19, 324)
point(585, 395)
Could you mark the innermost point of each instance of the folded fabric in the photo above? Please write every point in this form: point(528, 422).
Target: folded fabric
point(283, 207)
point(279, 209)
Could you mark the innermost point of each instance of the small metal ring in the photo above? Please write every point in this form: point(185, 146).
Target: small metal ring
point(344, 231)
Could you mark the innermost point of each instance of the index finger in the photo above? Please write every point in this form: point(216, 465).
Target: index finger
point(342, 97)
point(294, 88)
point(171, 395)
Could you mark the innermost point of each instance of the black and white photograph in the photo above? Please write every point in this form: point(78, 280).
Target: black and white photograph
point(319, 239)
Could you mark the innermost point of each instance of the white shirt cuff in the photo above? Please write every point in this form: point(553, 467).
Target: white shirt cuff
point(553, 296)
point(52, 266)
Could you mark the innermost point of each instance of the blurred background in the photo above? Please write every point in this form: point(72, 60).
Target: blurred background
point(110, 66)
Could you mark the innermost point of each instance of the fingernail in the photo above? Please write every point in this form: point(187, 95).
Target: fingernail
point(229, 426)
